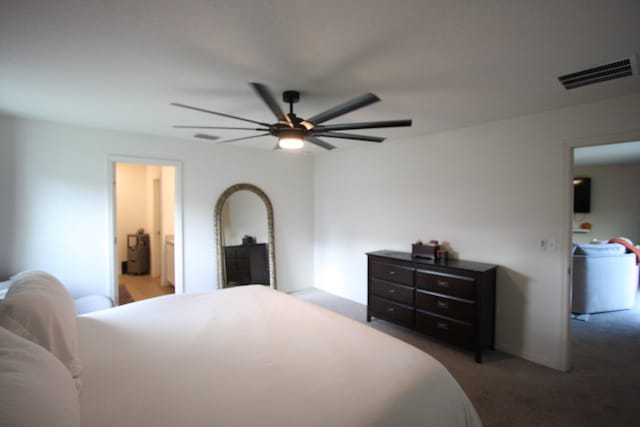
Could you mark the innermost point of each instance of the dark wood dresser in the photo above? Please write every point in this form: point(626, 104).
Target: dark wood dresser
point(246, 264)
point(453, 301)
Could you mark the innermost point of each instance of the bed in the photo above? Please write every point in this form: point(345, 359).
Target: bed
point(253, 356)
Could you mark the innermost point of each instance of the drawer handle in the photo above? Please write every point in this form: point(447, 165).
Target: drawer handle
point(443, 283)
point(443, 325)
point(392, 291)
point(390, 309)
point(443, 304)
point(392, 273)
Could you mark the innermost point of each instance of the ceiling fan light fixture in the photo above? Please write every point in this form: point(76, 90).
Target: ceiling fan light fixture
point(290, 143)
point(292, 139)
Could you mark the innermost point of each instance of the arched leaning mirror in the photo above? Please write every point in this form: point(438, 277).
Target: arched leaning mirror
point(244, 235)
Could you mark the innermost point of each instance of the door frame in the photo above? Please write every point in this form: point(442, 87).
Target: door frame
point(111, 208)
point(570, 146)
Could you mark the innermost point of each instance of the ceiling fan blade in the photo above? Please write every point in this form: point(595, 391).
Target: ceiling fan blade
point(266, 95)
point(216, 127)
point(344, 108)
point(243, 138)
point(319, 142)
point(349, 136)
point(363, 125)
point(177, 104)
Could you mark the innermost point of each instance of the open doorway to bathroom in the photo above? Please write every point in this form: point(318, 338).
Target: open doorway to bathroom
point(145, 231)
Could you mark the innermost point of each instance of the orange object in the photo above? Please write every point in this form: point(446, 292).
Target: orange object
point(628, 244)
point(585, 226)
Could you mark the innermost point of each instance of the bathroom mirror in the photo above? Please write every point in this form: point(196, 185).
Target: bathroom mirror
point(244, 236)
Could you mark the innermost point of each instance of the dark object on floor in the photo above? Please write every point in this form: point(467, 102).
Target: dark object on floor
point(124, 297)
point(138, 253)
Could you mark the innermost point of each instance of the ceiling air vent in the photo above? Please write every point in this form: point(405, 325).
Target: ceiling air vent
point(615, 70)
point(206, 136)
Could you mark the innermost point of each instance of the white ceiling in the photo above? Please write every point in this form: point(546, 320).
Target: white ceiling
point(446, 64)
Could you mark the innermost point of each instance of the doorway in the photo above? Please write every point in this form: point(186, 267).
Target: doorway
point(610, 209)
point(145, 206)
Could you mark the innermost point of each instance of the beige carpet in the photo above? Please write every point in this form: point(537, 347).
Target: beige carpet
point(602, 389)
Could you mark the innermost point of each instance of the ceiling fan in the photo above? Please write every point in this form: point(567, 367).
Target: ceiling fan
point(292, 130)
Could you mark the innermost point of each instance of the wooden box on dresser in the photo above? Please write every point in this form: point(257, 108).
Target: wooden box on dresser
point(453, 301)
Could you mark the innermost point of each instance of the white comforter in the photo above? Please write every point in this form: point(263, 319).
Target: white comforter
point(252, 356)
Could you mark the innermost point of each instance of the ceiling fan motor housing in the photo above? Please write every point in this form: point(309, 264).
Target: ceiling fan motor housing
point(294, 133)
point(291, 96)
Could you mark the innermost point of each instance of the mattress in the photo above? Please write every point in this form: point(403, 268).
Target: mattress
point(253, 356)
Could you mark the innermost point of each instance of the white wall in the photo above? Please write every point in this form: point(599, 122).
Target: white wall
point(492, 192)
point(154, 216)
point(8, 184)
point(615, 203)
point(168, 204)
point(55, 204)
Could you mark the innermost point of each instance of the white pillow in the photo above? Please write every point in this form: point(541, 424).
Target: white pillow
point(36, 389)
point(39, 308)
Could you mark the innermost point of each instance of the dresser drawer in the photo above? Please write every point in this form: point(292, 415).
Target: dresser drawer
point(391, 311)
point(448, 284)
point(400, 293)
point(391, 272)
point(449, 307)
point(446, 329)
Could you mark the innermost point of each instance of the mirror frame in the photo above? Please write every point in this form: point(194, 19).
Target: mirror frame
point(271, 257)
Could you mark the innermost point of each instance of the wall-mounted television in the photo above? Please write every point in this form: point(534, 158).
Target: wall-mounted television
point(581, 195)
